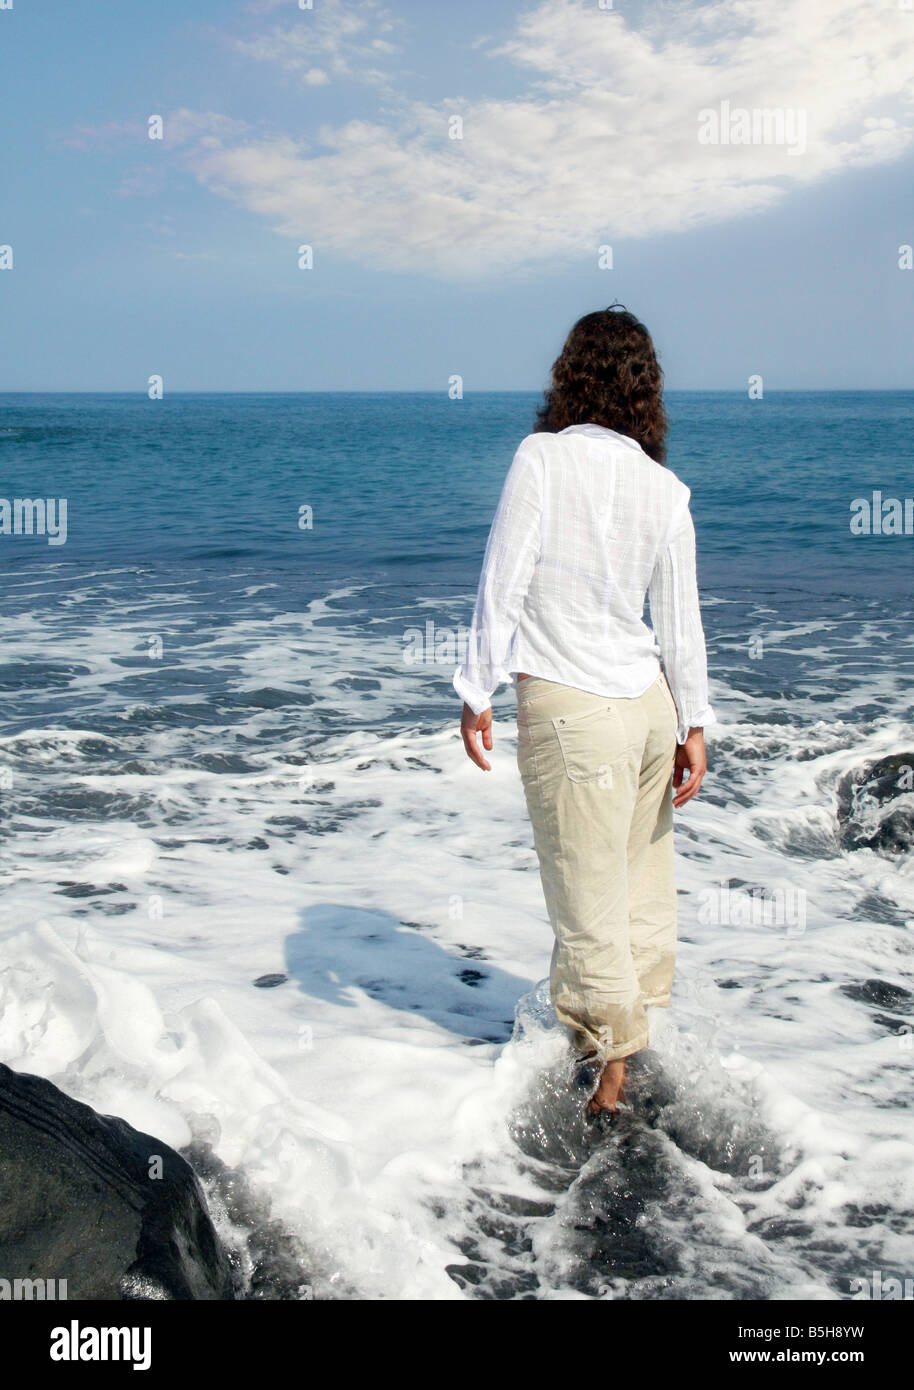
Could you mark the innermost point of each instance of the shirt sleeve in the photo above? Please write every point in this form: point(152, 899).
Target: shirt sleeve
point(512, 551)
point(676, 619)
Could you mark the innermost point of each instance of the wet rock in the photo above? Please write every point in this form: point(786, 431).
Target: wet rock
point(87, 1198)
point(876, 805)
point(880, 993)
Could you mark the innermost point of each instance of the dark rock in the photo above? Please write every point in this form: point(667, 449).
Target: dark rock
point(880, 993)
point(875, 808)
point(278, 1265)
point(87, 1198)
point(891, 1025)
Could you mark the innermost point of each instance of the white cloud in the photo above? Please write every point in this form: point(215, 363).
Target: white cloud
point(339, 39)
point(601, 146)
point(202, 129)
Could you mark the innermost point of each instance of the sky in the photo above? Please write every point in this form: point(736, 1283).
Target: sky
point(455, 170)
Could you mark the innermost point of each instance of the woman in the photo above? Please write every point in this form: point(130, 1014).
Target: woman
point(591, 521)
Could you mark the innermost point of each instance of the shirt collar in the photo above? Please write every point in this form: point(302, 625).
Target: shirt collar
point(597, 431)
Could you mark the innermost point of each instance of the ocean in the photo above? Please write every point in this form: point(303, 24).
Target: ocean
point(258, 902)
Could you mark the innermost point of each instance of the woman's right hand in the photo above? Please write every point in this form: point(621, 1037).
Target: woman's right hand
point(472, 725)
point(691, 758)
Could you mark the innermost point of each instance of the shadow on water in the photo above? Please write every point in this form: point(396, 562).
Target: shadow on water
point(340, 946)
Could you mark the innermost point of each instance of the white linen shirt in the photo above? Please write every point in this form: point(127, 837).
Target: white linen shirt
point(588, 525)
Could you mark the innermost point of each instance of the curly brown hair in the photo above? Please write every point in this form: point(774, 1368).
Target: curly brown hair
point(608, 374)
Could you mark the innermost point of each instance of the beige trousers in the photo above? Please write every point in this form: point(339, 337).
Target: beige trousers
point(597, 775)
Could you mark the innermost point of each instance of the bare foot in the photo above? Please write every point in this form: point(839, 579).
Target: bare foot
point(609, 1090)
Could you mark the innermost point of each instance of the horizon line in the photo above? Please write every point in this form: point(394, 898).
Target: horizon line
point(442, 391)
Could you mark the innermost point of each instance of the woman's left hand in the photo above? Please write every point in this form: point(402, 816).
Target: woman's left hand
point(471, 725)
